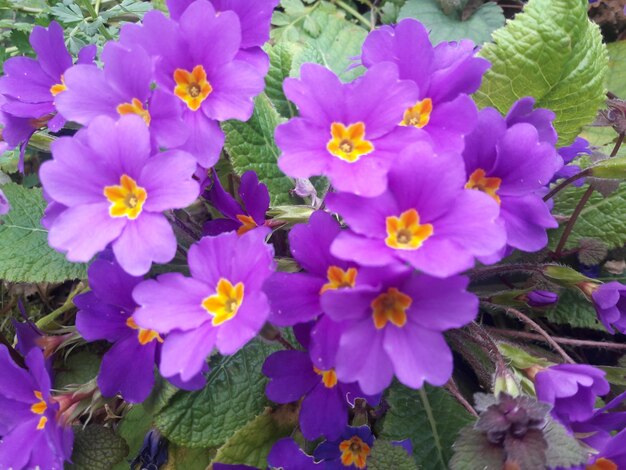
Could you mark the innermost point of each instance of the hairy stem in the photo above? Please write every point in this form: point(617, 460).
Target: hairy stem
point(566, 182)
point(454, 390)
point(582, 343)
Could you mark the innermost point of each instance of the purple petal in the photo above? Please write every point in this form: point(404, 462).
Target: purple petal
point(184, 352)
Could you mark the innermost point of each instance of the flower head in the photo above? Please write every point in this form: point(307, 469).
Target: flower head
point(610, 302)
point(350, 450)
point(221, 305)
point(114, 191)
point(569, 153)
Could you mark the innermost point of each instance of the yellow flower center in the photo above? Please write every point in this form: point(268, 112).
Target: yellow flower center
point(135, 107)
point(354, 452)
point(390, 307)
point(487, 184)
point(192, 87)
point(348, 143)
point(405, 232)
point(419, 114)
point(602, 464)
point(40, 408)
point(127, 199)
point(338, 278)
point(59, 87)
point(329, 377)
point(223, 305)
point(247, 224)
point(144, 336)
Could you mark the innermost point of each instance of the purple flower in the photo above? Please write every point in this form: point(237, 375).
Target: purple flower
point(513, 165)
point(30, 86)
point(286, 454)
point(609, 301)
point(347, 132)
point(612, 456)
point(195, 60)
point(222, 305)
point(523, 111)
point(445, 75)
point(5, 206)
point(395, 326)
point(352, 449)
point(572, 389)
point(31, 435)
point(106, 313)
point(250, 214)
point(115, 192)
point(542, 298)
point(579, 147)
point(425, 218)
point(124, 87)
point(254, 18)
point(324, 409)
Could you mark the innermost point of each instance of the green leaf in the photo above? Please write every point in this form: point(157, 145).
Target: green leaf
point(24, 252)
point(617, 68)
point(251, 444)
point(472, 450)
point(564, 451)
point(520, 358)
point(281, 57)
point(477, 27)
point(234, 395)
point(78, 369)
point(574, 310)
point(386, 456)
point(133, 428)
point(97, 448)
point(602, 217)
point(251, 146)
point(554, 53)
point(430, 417)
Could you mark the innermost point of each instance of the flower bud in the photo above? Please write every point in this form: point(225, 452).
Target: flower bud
point(541, 298)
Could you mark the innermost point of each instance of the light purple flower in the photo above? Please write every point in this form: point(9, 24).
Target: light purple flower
point(114, 191)
point(445, 74)
point(609, 301)
point(347, 132)
point(569, 153)
point(221, 305)
point(5, 206)
point(195, 60)
point(31, 435)
point(425, 218)
point(106, 313)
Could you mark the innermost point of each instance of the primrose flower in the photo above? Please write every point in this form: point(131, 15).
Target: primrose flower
point(195, 60)
point(250, 214)
point(572, 389)
point(577, 148)
point(425, 218)
point(512, 165)
point(31, 86)
point(346, 131)
point(351, 450)
point(609, 301)
point(221, 305)
point(395, 326)
point(106, 313)
point(31, 435)
point(286, 454)
point(324, 409)
point(114, 192)
point(254, 17)
point(124, 87)
point(445, 75)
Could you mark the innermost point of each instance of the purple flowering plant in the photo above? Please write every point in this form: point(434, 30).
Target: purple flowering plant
point(310, 234)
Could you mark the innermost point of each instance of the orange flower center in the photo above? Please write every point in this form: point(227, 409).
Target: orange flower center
point(354, 452)
point(602, 464)
point(487, 184)
point(224, 304)
point(348, 143)
point(419, 114)
point(405, 232)
point(135, 107)
point(192, 87)
point(126, 199)
point(390, 307)
point(59, 87)
point(338, 278)
point(144, 336)
point(247, 224)
point(39, 408)
point(329, 377)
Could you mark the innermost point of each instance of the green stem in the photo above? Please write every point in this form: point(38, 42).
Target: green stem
point(341, 4)
point(44, 322)
point(94, 15)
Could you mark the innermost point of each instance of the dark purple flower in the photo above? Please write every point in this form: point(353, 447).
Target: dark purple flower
point(115, 191)
point(244, 216)
point(325, 407)
point(106, 313)
point(31, 435)
point(609, 301)
point(222, 305)
point(572, 389)
point(124, 87)
point(351, 450)
point(541, 298)
point(425, 218)
point(5, 206)
point(195, 59)
point(513, 165)
point(286, 454)
point(346, 131)
point(445, 74)
point(579, 147)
